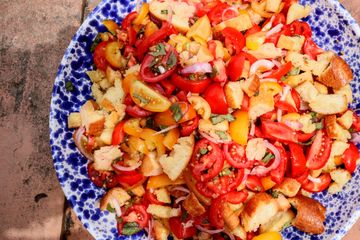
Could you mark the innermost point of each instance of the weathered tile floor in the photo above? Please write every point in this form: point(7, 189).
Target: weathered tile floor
point(34, 36)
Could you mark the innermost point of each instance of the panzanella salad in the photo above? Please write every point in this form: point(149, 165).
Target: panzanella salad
point(216, 120)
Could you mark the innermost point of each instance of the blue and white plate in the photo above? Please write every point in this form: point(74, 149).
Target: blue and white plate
point(334, 29)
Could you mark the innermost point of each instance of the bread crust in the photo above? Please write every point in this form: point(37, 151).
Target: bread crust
point(338, 73)
point(193, 206)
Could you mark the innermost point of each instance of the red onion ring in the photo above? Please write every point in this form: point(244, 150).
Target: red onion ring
point(179, 199)
point(118, 167)
point(214, 140)
point(208, 230)
point(180, 188)
point(313, 179)
point(355, 138)
point(226, 10)
point(202, 67)
point(294, 124)
point(261, 64)
point(261, 170)
point(231, 236)
point(166, 130)
point(78, 134)
point(274, 30)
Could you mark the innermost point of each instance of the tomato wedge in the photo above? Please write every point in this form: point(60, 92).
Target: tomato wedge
point(118, 134)
point(147, 98)
point(350, 156)
point(234, 38)
point(187, 128)
point(254, 184)
point(311, 49)
point(319, 151)
point(127, 22)
point(298, 160)
point(323, 182)
point(236, 197)
point(104, 179)
point(216, 13)
point(282, 71)
point(137, 213)
point(128, 179)
point(277, 175)
point(195, 86)
point(216, 216)
point(178, 228)
point(278, 131)
point(235, 155)
point(215, 96)
point(99, 56)
point(113, 54)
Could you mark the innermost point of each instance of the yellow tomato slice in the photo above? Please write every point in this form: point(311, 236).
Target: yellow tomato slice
point(147, 98)
point(270, 87)
point(113, 54)
point(171, 138)
point(239, 129)
point(167, 118)
point(162, 180)
point(144, 10)
point(153, 141)
point(267, 183)
point(268, 236)
point(111, 26)
point(150, 29)
point(132, 127)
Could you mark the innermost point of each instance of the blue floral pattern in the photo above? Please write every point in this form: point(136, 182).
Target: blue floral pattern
point(334, 29)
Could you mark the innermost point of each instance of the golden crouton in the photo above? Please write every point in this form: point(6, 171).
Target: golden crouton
point(346, 91)
point(272, 5)
point(104, 157)
point(234, 94)
point(340, 176)
point(293, 43)
point(289, 187)
point(329, 104)
point(150, 165)
point(118, 194)
point(266, 50)
point(297, 11)
point(91, 119)
point(278, 222)
point(74, 120)
point(296, 80)
point(260, 105)
point(231, 218)
point(334, 130)
point(346, 119)
point(163, 211)
point(162, 195)
point(307, 91)
point(321, 88)
point(192, 205)
point(161, 232)
point(251, 85)
point(338, 73)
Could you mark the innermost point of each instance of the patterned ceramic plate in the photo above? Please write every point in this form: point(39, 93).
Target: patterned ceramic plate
point(333, 28)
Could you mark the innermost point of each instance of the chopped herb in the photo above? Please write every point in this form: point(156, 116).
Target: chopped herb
point(351, 130)
point(176, 111)
point(153, 63)
point(283, 79)
point(313, 114)
point(172, 60)
point(158, 50)
point(286, 225)
point(164, 11)
point(130, 228)
point(319, 125)
point(184, 216)
point(267, 158)
point(294, 71)
point(221, 134)
point(141, 98)
point(307, 143)
point(214, 72)
point(192, 76)
point(69, 86)
point(203, 151)
point(110, 209)
point(215, 119)
point(275, 194)
point(96, 42)
point(225, 172)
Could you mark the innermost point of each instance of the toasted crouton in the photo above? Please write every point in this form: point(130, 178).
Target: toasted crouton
point(150, 165)
point(112, 75)
point(272, 5)
point(259, 210)
point(294, 43)
point(266, 50)
point(346, 91)
point(289, 187)
point(161, 232)
point(295, 80)
point(138, 190)
point(307, 91)
point(240, 23)
point(329, 104)
point(106, 136)
point(301, 61)
point(234, 94)
point(337, 149)
point(118, 194)
point(162, 195)
point(278, 222)
point(340, 176)
point(338, 73)
point(297, 11)
point(251, 85)
point(334, 188)
point(104, 157)
point(307, 125)
point(176, 162)
point(239, 232)
point(310, 215)
point(112, 99)
point(163, 211)
point(91, 119)
point(346, 119)
point(192, 205)
point(231, 218)
point(74, 120)
point(111, 119)
point(334, 130)
point(321, 88)
point(255, 149)
point(96, 92)
point(96, 76)
point(260, 105)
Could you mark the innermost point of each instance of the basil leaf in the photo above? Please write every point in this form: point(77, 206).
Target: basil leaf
point(141, 98)
point(221, 134)
point(225, 172)
point(275, 194)
point(184, 216)
point(130, 228)
point(69, 86)
point(215, 119)
point(319, 125)
point(164, 11)
point(96, 42)
point(203, 151)
point(176, 111)
point(158, 50)
point(110, 209)
point(268, 157)
point(172, 61)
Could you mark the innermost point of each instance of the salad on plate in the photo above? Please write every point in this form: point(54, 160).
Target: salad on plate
point(216, 120)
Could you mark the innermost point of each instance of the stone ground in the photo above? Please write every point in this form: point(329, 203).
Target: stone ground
point(34, 36)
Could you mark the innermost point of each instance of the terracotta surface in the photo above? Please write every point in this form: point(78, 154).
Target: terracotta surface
point(34, 36)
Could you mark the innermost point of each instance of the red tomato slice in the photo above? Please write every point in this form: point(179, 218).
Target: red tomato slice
point(168, 87)
point(235, 155)
point(303, 179)
point(118, 134)
point(285, 106)
point(300, 28)
point(282, 71)
point(296, 97)
point(216, 212)
point(104, 179)
point(150, 198)
point(195, 86)
point(350, 156)
point(188, 127)
point(128, 180)
point(137, 213)
point(304, 137)
point(234, 38)
point(137, 112)
point(236, 197)
point(215, 96)
point(311, 49)
point(254, 29)
point(215, 14)
point(178, 229)
point(254, 184)
point(324, 182)
point(277, 175)
point(298, 160)
point(207, 160)
point(245, 103)
point(127, 22)
point(278, 131)
point(319, 151)
point(235, 67)
point(99, 56)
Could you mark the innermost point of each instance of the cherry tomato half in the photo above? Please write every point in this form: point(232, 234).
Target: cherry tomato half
point(319, 186)
point(319, 151)
point(311, 49)
point(99, 56)
point(215, 96)
point(137, 213)
point(118, 134)
point(254, 184)
point(105, 179)
point(186, 128)
point(195, 86)
point(298, 160)
point(235, 155)
point(278, 131)
point(350, 156)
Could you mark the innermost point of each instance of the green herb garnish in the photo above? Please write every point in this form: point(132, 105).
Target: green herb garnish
point(203, 151)
point(319, 125)
point(215, 119)
point(225, 172)
point(96, 42)
point(172, 61)
point(268, 156)
point(158, 50)
point(221, 134)
point(69, 86)
point(142, 100)
point(110, 209)
point(192, 76)
point(130, 228)
point(164, 11)
point(275, 194)
point(184, 216)
point(294, 71)
point(176, 112)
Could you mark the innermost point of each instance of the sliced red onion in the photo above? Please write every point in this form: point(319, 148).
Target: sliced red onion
point(203, 67)
point(262, 170)
point(279, 113)
point(166, 130)
point(208, 230)
point(294, 124)
point(277, 63)
point(78, 135)
point(313, 179)
point(179, 199)
point(355, 137)
point(285, 92)
point(262, 64)
point(180, 188)
point(188, 224)
point(151, 224)
point(265, 74)
point(268, 80)
point(252, 129)
point(114, 204)
point(232, 9)
point(214, 140)
point(246, 174)
point(274, 30)
point(118, 167)
point(269, 24)
point(231, 236)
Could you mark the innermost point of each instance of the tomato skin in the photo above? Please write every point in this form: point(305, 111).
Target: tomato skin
point(298, 160)
point(150, 198)
point(235, 38)
point(235, 155)
point(137, 112)
point(215, 96)
point(215, 14)
point(219, 65)
point(142, 217)
point(177, 228)
point(280, 72)
point(311, 49)
point(277, 175)
point(256, 28)
point(236, 197)
point(168, 87)
point(254, 184)
point(325, 181)
point(279, 18)
point(104, 179)
point(166, 118)
point(278, 131)
point(235, 67)
point(99, 56)
point(128, 179)
point(128, 20)
point(300, 28)
point(303, 179)
point(118, 134)
point(186, 128)
point(223, 184)
point(216, 212)
point(350, 156)
point(319, 151)
point(304, 137)
point(296, 97)
point(285, 106)
point(196, 86)
point(245, 103)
